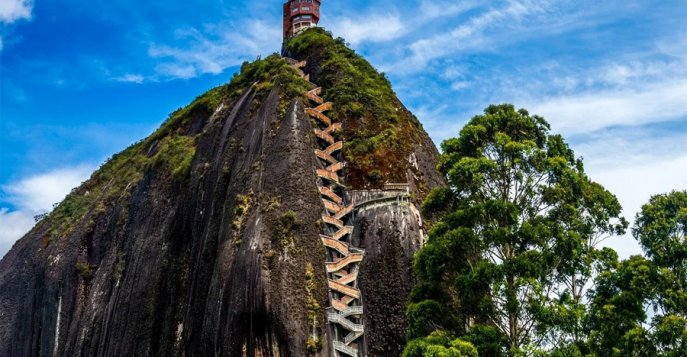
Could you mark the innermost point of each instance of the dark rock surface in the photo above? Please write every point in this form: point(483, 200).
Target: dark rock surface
point(204, 266)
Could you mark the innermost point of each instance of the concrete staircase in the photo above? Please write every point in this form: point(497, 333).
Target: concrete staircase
point(342, 266)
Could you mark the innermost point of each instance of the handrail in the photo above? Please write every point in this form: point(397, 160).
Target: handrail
point(331, 206)
point(344, 212)
point(350, 259)
point(325, 156)
point(396, 198)
point(341, 347)
point(324, 107)
point(344, 289)
point(342, 232)
point(324, 136)
point(335, 244)
point(334, 127)
point(348, 278)
point(333, 221)
point(315, 114)
point(334, 147)
point(331, 176)
point(327, 192)
point(351, 310)
point(352, 337)
point(346, 323)
point(342, 304)
point(336, 167)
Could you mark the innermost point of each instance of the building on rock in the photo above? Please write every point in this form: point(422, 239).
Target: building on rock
point(300, 15)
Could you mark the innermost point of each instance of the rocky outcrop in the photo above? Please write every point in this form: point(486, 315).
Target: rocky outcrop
point(204, 239)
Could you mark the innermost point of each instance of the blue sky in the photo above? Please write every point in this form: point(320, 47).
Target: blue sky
point(81, 80)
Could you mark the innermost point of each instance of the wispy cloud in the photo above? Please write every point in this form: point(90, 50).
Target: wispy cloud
point(635, 164)
point(432, 9)
point(39, 192)
point(14, 226)
point(468, 35)
point(130, 78)
point(214, 49)
point(33, 195)
point(593, 110)
point(376, 27)
point(14, 10)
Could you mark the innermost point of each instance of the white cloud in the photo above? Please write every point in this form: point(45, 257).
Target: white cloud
point(14, 226)
point(635, 183)
point(130, 78)
point(40, 192)
point(432, 9)
point(215, 49)
point(468, 35)
point(14, 10)
point(32, 195)
point(375, 28)
point(593, 110)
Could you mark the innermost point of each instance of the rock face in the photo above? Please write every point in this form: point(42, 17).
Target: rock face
point(203, 239)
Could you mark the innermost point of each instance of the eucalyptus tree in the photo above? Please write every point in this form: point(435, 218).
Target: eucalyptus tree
point(514, 244)
point(661, 229)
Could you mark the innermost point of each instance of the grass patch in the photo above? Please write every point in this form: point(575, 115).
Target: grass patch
point(241, 207)
point(314, 344)
point(287, 226)
point(84, 270)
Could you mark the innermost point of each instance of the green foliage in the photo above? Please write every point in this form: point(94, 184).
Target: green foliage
point(85, 270)
point(378, 130)
point(487, 340)
point(175, 154)
point(313, 346)
point(515, 243)
point(241, 207)
point(428, 316)
point(617, 309)
point(618, 320)
point(286, 229)
point(270, 203)
point(439, 344)
point(313, 307)
point(661, 229)
point(263, 75)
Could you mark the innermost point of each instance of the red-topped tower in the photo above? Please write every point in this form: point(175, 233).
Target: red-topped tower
point(300, 15)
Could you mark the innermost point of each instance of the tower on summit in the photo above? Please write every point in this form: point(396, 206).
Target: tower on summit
point(300, 15)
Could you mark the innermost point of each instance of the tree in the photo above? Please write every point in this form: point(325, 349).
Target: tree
point(618, 323)
point(439, 344)
point(618, 309)
point(516, 231)
point(661, 229)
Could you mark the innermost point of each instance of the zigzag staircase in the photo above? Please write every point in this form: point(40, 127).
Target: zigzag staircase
point(343, 260)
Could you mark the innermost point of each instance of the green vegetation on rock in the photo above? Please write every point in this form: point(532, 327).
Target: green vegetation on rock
point(169, 152)
point(287, 226)
point(378, 130)
point(314, 344)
